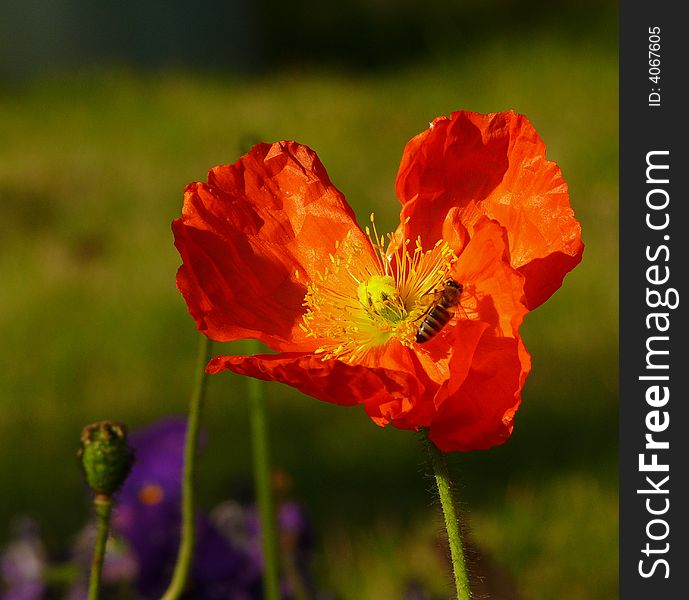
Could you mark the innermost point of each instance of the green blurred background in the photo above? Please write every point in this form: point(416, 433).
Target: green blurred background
point(107, 111)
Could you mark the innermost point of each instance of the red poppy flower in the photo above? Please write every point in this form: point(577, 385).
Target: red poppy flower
point(272, 251)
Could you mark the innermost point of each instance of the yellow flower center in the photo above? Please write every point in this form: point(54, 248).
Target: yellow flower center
point(361, 302)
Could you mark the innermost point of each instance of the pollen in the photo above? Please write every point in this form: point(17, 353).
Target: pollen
point(371, 294)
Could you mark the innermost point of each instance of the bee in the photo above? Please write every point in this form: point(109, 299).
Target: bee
point(438, 315)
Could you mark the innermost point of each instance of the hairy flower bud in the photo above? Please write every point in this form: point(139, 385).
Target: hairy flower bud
point(105, 456)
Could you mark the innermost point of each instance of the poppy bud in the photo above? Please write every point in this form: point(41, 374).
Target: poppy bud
point(105, 456)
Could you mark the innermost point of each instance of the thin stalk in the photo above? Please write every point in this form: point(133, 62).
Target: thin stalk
point(188, 534)
point(262, 483)
point(103, 505)
point(447, 501)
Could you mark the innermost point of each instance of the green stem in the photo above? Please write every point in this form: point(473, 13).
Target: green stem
point(186, 546)
point(444, 483)
point(264, 496)
point(103, 505)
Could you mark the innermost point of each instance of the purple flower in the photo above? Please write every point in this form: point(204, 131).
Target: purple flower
point(295, 538)
point(148, 514)
point(227, 562)
point(23, 562)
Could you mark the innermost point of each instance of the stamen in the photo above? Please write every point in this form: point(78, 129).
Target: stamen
point(364, 299)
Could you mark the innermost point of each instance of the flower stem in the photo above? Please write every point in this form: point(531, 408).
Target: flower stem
point(186, 547)
point(264, 495)
point(103, 505)
point(447, 501)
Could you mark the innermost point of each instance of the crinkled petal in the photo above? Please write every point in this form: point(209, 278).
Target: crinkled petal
point(411, 384)
point(493, 290)
point(479, 413)
point(487, 366)
point(451, 368)
point(398, 389)
point(329, 380)
point(493, 165)
point(253, 236)
point(492, 298)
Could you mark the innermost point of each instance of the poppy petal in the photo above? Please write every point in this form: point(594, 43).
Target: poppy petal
point(253, 236)
point(479, 413)
point(493, 165)
point(492, 297)
point(494, 291)
point(330, 380)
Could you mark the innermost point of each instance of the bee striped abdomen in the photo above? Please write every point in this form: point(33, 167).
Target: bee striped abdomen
point(439, 315)
point(434, 321)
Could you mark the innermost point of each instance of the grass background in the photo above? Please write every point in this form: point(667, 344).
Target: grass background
point(92, 167)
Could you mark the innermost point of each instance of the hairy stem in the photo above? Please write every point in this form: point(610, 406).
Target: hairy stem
point(447, 501)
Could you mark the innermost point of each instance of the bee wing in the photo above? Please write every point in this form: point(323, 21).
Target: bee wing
point(466, 308)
